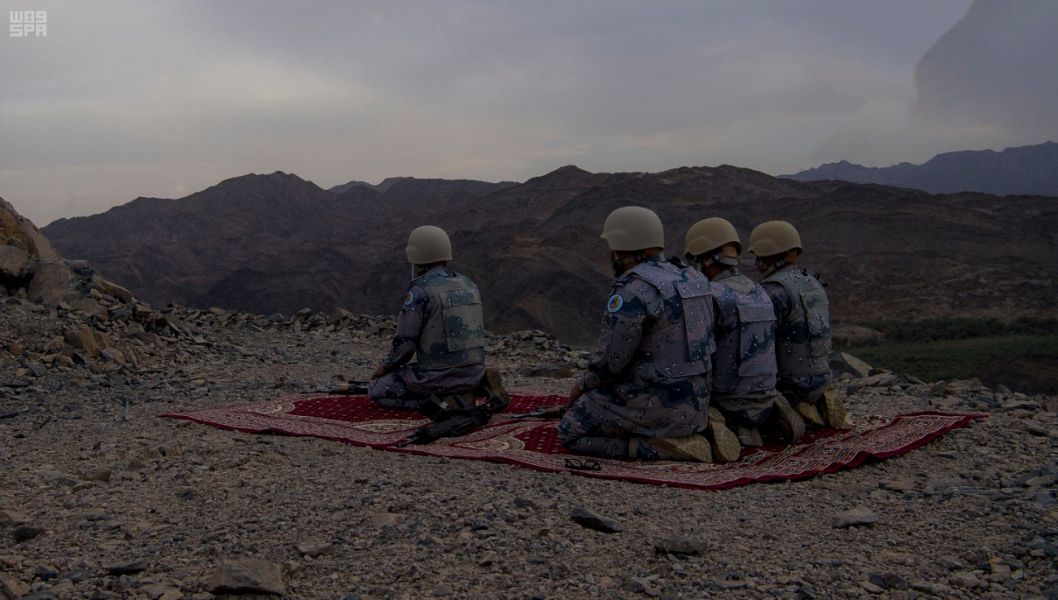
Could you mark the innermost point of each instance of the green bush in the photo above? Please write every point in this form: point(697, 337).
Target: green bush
point(962, 328)
point(953, 358)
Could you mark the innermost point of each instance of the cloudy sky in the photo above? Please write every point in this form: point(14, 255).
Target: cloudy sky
point(133, 98)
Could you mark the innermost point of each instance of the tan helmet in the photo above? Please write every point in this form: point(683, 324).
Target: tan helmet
point(427, 245)
point(774, 237)
point(632, 228)
point(711, 234)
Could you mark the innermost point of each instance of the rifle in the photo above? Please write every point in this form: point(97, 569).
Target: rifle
point(452, 421)
point(353, 388)
point(547, 412)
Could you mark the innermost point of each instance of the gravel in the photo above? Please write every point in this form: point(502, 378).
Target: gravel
point(122, 504)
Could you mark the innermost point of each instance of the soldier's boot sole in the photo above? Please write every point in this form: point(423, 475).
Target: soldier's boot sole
point(492, 385)
point(787, 422)
point(810, 414)
point(832, 408)
point(691, 448)
point(725, 445)
point(750, 437)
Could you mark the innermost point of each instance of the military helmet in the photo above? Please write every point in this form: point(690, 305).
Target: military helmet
point(427, 245)
point(632, 228)
point(774, 237)
point(711, 234)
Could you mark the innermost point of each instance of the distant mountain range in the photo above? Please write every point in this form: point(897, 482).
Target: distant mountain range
point(276, 242)
point(1024, 170)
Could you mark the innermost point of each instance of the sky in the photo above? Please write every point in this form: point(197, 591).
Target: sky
point(164, 98)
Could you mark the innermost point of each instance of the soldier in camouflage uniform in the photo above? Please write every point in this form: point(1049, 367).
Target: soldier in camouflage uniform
point(441, 325)
point(803, 336)
point(645, 393)
point(744, 366)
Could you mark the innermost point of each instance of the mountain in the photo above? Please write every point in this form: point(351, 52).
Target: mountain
point(267, 243)
point(411, 186)
point(1031, 170)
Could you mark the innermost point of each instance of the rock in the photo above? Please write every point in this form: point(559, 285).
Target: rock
point(127, 568)
point(18, 231)
point(872, 588)
point(1036, 428)
point(843, 362)
point(51, 283)
point(964, 579)
point(87, 340)
point(247, 576)
point(314, 549)
point(100, 474)
point(12, 588)
point(640, 585)
point(856, 517)
point(13, 262)
point(586, 518)
point(24, 533)
point(112, 289)
point(10, 517)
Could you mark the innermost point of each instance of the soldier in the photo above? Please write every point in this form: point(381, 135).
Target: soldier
point(803, 335)
point(441, 324)
point(645, 392)
point(744, 366)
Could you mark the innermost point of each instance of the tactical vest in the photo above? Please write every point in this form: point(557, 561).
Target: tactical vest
point(453, 334)
point(680, 343)
point(803, 338)
point(745, 337)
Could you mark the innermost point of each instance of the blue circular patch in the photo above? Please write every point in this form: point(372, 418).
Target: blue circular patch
point(408, 299)
point(615, 303)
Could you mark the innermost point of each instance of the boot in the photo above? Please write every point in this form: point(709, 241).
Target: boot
point(785, 422)
point(831, 407)
point(749, 437)
point(691, 448)
point(810, 414)
point(492, 386)
point(725, 445)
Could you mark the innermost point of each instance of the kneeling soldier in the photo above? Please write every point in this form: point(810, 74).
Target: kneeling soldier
point(744, 366)
point(803, 336)
point(441, 325)
point(645, 393)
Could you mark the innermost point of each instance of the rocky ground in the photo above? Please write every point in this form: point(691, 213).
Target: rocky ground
point(99, 498)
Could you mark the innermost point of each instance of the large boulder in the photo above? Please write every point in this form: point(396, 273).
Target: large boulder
point(846, 336)
point(32, 268)
point(19, 232)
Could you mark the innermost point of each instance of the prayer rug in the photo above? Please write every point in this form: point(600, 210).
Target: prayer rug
point(533, 442)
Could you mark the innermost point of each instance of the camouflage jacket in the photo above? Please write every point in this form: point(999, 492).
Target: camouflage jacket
point(658, 327)
point(803, 335)
point(440, 322)
point(745, 360)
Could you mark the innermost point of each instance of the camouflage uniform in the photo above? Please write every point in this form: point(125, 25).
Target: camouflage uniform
point(744, 366)
point(803, 335)
point(441, 324)
point(649, 376)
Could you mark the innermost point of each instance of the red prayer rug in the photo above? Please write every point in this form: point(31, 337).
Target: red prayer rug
point(533, 442)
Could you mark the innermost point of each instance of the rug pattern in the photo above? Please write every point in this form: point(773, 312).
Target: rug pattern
point(533, 442)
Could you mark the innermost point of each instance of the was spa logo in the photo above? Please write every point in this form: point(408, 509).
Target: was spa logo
point(27, 23)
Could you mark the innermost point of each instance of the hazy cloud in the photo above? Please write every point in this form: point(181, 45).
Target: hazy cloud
point(132, 98)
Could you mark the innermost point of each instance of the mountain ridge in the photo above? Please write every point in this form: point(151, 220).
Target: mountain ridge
point(278, 243)
point(1017, 170)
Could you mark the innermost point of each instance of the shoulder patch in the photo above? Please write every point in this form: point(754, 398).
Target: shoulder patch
point(409, 298)
point(615, 303)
